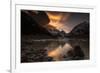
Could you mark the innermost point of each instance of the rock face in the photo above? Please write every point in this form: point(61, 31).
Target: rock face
point(81, 30)
point(31, 22)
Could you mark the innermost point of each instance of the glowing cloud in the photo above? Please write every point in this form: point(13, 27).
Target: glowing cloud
point(59, 20)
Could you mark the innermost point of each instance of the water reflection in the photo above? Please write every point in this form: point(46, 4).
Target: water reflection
point(54, 50)
point(59, 52)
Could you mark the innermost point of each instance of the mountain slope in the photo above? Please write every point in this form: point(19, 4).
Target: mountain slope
point(81, 30)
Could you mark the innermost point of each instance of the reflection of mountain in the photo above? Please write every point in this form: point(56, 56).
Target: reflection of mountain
point(39, 51)
point(36, 51)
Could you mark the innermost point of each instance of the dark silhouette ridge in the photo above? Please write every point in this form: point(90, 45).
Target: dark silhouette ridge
point(81, 30)
point(32, 24)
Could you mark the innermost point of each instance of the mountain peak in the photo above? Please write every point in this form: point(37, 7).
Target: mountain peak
point(81, 29)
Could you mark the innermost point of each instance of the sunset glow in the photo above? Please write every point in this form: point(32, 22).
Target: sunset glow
point(59, 52)
point(58, 21)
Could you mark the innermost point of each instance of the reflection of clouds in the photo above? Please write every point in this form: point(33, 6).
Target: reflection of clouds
point(59, 52)
point(39, 51)
point(55, 53)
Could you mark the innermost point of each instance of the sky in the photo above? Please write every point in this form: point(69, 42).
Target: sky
point(63, 21)
point(66, 21)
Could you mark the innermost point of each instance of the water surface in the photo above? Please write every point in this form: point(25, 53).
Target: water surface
point(45, 50)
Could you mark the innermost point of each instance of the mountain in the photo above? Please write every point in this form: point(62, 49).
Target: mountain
point(31, 22)
point(81, 30)
point(36, 23)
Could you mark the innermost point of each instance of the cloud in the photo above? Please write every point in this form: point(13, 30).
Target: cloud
point(59, 20)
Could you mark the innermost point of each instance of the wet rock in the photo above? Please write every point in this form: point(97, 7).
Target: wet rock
point(78, 53)
point(49, 58)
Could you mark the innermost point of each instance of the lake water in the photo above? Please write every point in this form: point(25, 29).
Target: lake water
point(46, 50)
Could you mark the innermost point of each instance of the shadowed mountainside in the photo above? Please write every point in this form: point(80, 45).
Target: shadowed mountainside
point(81, 30)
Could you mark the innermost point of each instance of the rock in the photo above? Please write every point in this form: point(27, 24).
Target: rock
point(49, 59)
point(78, 53)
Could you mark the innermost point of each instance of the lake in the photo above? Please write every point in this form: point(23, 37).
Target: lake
point(47, 50)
